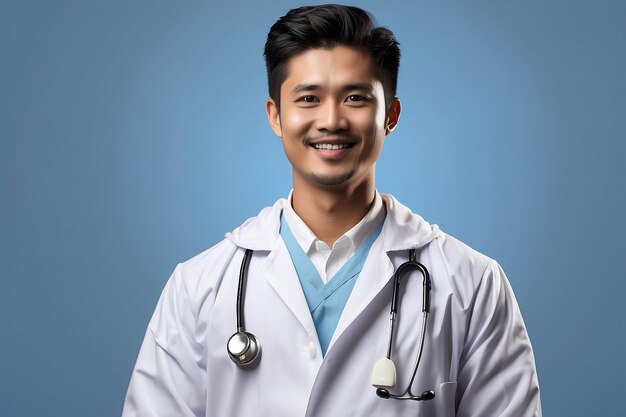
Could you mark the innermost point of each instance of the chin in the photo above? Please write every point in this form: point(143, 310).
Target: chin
point(332, 179)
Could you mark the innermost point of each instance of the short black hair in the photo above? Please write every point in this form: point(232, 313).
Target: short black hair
point(327, 26)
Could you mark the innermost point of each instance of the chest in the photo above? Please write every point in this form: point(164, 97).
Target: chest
point(293, 378)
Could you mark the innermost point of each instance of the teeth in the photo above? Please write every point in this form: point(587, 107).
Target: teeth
point(328, 146)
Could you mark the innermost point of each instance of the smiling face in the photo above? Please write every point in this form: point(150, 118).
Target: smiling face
point(332, 119)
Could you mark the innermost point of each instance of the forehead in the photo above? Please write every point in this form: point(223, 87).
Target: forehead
point(330, 67)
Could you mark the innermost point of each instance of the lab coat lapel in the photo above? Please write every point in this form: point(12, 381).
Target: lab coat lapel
point(261, 233)
point(376, 273)
point(281, 275)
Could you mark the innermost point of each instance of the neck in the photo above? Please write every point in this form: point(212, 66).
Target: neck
point(331, 212)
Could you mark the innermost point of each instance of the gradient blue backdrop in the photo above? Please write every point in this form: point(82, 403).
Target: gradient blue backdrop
point(133, 136)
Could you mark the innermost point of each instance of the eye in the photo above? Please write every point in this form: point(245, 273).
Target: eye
point(308, 99)
point(357, 99)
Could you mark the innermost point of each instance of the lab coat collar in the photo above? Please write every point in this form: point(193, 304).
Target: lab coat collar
point(260, 233)
point(402, 229)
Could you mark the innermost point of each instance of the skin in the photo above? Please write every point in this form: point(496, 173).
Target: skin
point(332, 97)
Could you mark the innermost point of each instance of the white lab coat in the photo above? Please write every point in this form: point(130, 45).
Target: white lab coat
point(477, 355)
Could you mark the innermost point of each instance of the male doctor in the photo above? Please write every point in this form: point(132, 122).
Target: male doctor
point(315, 271)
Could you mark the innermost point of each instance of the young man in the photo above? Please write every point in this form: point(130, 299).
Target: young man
point(318, 270)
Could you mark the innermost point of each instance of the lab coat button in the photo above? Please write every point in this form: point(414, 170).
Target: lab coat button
point(312, 350)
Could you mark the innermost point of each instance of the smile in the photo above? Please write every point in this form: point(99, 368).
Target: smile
point(329, 146)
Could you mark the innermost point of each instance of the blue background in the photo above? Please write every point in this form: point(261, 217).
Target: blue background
point(133, 136)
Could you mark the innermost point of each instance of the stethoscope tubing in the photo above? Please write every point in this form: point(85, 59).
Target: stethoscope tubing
point(241, 289)
point(418, 359)
point(411, 264)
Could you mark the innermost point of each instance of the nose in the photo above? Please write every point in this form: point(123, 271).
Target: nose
point(331, 117)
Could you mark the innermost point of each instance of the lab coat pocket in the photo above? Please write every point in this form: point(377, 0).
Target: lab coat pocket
point(443, 405)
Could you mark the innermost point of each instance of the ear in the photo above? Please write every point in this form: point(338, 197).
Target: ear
point(393, 115)
point(273, 117)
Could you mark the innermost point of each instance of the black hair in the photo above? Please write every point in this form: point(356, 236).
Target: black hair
point(327, 26)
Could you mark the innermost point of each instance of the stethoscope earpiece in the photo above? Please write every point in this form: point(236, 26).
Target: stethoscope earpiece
point(425, 396)
point(383, 393)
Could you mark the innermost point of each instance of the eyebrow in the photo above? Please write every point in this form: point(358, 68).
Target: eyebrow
point(366, 87)
point(304, 87)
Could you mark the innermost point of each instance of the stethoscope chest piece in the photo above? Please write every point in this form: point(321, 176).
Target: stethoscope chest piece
point(384, 373)
point(243, 348)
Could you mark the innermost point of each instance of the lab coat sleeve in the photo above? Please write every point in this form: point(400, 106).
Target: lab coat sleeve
point(168, 376)
point(497, 375)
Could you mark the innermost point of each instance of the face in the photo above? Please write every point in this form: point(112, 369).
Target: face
point(332, 119)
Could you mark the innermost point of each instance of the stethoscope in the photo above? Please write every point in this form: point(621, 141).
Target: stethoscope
point(244, 348)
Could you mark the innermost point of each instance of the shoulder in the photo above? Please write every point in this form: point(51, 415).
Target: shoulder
point(459, 269)
point(407, 229)
point(207, 265)
point(460, 258)
point(202, 273)
point(470, 276)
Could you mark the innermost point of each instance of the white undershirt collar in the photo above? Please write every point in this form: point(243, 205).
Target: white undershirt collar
point(328, 261)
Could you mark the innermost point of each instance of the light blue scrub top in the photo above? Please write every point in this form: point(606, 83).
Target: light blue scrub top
point(326, 301)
